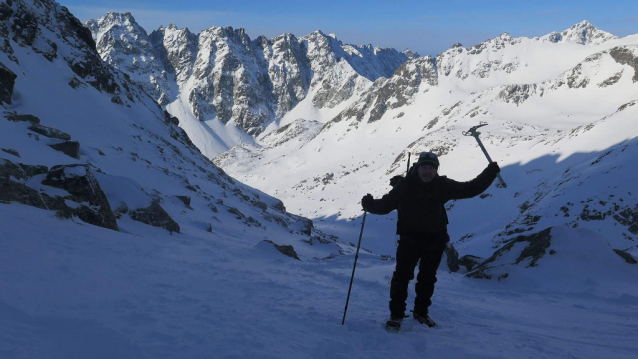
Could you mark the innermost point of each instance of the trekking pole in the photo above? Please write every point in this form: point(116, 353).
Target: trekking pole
point(408, 170)
point(353, 268)
point(474, 133)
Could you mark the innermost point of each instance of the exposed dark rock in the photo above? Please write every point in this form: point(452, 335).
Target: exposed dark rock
point(168, 118)
point(517, 94)
point(611, 81)
point(405, 82)
point(156, 216)
point(624, 106)
point(626, 256)
point(452, 258)
point(7, 81)
point(279, 206)
point(79, 181)
point(25, 28)
point(286, 249)
point(236, 212)
point(185, 199)
point(12, 191)
point(73, 26)
point(97, 74)
point(470, 262)
point(69, 148)
point(261, 205)
point(19, 171)
point(11, 152)
point(23, 118)
point(49, 132)
point(120, 210)
point(628, 217)
point(625, 56)
point(278, 219)
point(210, 228)
point(75, 83)
point(307, 226)
point(535, 250)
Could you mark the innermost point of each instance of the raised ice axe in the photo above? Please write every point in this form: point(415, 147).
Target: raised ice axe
point(474, 133)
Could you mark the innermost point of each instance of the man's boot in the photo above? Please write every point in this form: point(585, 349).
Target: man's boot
point(394, 324)
point(424, 318)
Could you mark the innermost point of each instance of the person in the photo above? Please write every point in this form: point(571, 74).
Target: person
point(422, 228)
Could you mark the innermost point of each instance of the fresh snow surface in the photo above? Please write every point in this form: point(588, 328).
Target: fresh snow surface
point(78, 291)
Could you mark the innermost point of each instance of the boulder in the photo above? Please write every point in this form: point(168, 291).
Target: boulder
point(50, 132)
point(78, 180)
point(185, 199)
point(286, 249)
point(7, 81)
point(19, 171)
point(626, 256)
point(83, 187)
point(23, 118)
point(69, 148)
point(470, 262)
point(11, 152)
point(156, 216)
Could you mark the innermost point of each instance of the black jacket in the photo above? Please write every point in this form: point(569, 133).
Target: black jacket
point(421, 205)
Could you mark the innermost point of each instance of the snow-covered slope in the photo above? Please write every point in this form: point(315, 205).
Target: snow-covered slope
point(81, 138)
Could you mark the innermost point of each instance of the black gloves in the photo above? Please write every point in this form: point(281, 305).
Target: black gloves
point(366, 202)
point(394, 180)
point(493, 168)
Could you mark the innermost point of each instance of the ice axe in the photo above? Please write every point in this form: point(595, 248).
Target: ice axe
point(474, 133)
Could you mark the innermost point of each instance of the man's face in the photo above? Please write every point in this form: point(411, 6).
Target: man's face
point(427, 173)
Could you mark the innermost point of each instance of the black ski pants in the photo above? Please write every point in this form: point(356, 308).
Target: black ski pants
point(429, 251)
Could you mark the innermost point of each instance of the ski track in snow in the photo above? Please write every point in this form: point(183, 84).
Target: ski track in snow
point(77, 291)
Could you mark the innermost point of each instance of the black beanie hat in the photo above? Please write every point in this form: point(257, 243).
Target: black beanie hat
point(428, 158)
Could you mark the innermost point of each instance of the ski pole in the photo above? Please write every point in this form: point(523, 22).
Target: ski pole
point(408, 170)
point(474, 133)
point(354, 267)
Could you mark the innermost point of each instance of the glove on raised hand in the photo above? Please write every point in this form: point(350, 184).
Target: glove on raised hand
point(366, 202)
point(394, 180)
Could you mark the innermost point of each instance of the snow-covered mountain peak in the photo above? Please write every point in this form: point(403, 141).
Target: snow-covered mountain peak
point(125, 45)
point(583, 33)
point(410, 54)
point(114, 19)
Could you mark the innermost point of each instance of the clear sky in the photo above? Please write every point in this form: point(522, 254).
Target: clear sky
point(425, 26)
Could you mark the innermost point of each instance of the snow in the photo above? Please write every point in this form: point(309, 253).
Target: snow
point(74, 290)
point(81, 291)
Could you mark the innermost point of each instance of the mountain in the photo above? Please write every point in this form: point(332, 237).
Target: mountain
point(222, 77)
point(582, 33)
point(554, 111)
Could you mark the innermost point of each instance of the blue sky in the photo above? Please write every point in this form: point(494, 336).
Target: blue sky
point(425, 26)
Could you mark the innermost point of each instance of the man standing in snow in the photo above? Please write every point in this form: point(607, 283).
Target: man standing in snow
point(422, 226)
